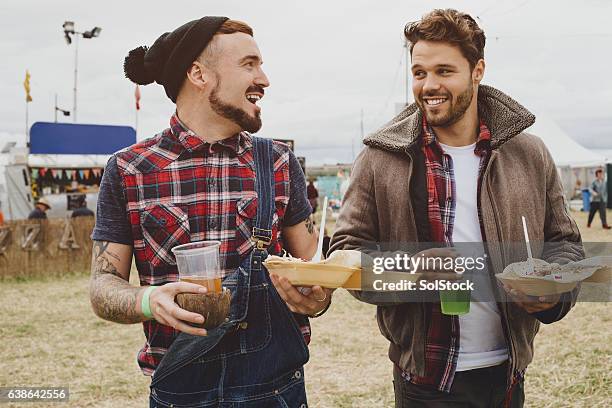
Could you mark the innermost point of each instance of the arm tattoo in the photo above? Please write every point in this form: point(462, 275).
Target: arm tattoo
point(309, 225)
point(112, 297)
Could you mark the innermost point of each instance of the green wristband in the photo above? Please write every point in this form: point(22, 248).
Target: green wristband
point(145, 304)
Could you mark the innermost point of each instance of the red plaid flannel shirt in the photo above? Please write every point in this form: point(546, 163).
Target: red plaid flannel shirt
point(442, 340)
point(180, 189)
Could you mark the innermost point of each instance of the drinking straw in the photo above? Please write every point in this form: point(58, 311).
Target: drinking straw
point(529, 255)
point(318, 254)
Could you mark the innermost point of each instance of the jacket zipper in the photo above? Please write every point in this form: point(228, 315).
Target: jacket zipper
point(413, 220)
point(411, 174)
point(504, 306)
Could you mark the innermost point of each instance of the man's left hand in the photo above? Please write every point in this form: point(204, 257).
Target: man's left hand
point(309, 304)
point(532, 304)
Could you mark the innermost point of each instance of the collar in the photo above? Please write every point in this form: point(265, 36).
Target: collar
point(483, 143)
point(236, 144)
point(505, 118)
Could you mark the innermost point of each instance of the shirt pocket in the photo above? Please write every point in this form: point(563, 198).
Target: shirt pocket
point(246, 214)
point(164, 227)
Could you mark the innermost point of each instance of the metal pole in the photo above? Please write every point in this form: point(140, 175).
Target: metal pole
point(362, 125)
point(27, 133)
point(76, 62)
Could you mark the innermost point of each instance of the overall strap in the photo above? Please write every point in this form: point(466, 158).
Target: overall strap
point(264, 185)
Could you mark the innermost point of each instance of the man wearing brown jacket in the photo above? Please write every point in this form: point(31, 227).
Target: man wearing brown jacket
point(457, 167)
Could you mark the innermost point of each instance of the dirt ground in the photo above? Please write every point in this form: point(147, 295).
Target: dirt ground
point(50, 337)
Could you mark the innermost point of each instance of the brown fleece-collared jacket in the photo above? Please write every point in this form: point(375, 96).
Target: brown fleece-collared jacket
point(384, 203)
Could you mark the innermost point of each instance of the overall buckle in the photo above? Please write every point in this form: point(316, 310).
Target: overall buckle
point(261, 237)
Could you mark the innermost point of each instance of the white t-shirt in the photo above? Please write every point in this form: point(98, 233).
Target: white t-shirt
point(481, 341)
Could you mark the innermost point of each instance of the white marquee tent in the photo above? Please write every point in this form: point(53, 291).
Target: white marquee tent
point(565, 151)
point(574, 161)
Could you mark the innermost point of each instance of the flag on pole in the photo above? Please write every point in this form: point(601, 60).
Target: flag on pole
point(26, 86)
point(137, 96)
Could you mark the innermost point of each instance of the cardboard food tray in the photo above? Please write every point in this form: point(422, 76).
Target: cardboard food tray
point(330, 273)
point(311, 274)
point(341, 269)
point(514, 276)
point(536, 287)
point(604, 273)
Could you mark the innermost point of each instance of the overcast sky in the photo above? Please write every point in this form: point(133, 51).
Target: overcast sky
point(326, 61)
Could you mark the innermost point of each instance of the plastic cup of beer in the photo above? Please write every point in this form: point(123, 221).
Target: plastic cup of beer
point(198, 262)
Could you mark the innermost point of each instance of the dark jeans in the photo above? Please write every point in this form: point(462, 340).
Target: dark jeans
point(598, 206)
point(485, 387)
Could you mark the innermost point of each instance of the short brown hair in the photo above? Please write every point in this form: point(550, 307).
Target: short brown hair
point(235, 26)
point(228, 27)
point(450, 26)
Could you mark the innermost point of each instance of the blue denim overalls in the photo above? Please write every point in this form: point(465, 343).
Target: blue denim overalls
point(255, 359)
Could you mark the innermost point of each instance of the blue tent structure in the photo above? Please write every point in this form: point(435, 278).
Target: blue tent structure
point(66, 148)
point(69, 138)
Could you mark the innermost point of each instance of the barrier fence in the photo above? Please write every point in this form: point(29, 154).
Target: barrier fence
point(52, 247)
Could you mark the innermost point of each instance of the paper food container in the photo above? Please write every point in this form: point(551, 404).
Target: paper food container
point(559, 279)
point(354, 281)
point(330, 273)
point(604, 272)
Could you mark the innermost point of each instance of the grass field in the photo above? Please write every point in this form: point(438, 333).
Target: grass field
point(50, 337)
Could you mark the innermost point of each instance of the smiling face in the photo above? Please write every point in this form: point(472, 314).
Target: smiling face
point(236, 80)
point(443, 83)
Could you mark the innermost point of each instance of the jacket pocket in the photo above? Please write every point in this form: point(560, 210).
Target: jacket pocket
point(163, 228)
point(399, 324)
point(382, 323)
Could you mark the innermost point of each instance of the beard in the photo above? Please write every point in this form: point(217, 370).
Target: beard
point(246, 122)
point(455, 112)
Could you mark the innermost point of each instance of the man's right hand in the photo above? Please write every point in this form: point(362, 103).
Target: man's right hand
point(437, 274)
point(167, 312)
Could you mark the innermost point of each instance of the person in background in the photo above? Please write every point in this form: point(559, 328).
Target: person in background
point(82, 211)
point(577, 190)
point(313, 195)
point(599, 199)
point(40, 210)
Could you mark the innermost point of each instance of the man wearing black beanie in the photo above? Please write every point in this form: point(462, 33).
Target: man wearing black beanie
point(207, 178)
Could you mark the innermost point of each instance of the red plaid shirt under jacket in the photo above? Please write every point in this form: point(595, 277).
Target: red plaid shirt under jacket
point(179, 189)
point(442, 340)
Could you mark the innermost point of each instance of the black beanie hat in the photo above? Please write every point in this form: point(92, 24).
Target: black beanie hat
point(168, 59)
